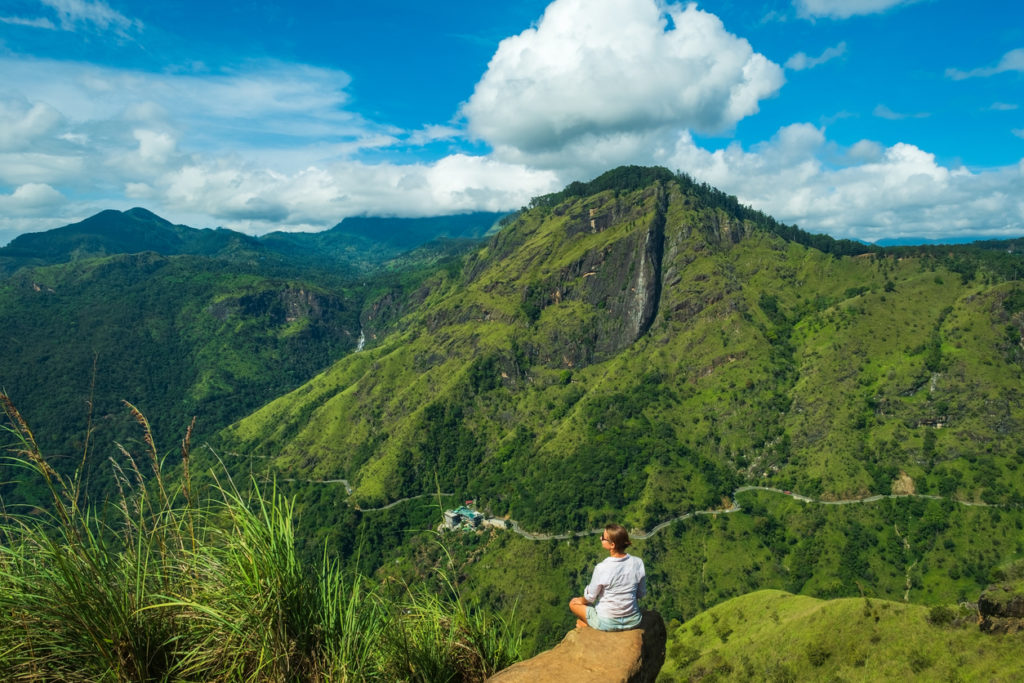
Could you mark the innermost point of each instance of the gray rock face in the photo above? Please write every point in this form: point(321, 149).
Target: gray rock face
point(1002, 608)
point(585, 654)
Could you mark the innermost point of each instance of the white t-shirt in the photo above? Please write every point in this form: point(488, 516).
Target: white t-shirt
point(617, 583)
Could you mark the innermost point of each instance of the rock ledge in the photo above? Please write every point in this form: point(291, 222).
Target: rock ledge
point(584, 654)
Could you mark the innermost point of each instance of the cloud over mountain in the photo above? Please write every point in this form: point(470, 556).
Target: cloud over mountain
point(864, 192)
point(259, 140)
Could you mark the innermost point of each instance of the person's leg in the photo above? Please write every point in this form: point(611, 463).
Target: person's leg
point(578, 607)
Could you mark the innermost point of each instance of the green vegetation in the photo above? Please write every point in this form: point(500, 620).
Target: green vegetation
point(356, 245)
point(179, 336)
point(640, 349)
point(191, 584)
point(905, 549)
point(776, 636)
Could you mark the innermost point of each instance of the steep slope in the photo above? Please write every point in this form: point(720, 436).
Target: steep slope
point(640, 352)
point(178, 336)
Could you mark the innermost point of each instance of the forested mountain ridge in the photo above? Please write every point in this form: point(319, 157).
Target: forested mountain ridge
point(115, 232)
point(178, 336)
point(641, 352)
point(357, 244)
point(184, 322)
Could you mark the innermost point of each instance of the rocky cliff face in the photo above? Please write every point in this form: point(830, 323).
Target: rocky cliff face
point(1002, 608)
point(618, 280)
point(280, 305)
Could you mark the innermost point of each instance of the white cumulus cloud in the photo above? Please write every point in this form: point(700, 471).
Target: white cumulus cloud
point(30, 198)
point(599, 70)
point(259, 199)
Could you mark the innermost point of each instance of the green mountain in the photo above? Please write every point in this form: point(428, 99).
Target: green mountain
point(639, 353)
point(639, 349)
point(184, 322)
point(115, 232)
point(178, 336)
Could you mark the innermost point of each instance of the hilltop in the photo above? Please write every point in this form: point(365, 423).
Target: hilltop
point(776, 636)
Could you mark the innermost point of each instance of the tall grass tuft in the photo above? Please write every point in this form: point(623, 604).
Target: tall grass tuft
point(169, 583)
point(433, 639)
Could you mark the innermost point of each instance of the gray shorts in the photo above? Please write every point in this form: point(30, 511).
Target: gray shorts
point(595, 620)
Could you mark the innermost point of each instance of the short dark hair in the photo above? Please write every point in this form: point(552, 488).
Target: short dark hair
point(619, 537)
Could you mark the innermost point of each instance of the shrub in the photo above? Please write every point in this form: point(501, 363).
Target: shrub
point(919, 661)
point(940, 615)
point(818, 654)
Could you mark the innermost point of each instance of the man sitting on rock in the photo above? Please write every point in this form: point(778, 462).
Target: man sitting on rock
point(609, 602)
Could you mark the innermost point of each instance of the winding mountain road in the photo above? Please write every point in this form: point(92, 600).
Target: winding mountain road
point(514, 526)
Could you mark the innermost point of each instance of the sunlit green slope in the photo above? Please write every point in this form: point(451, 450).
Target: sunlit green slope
point(776, 636)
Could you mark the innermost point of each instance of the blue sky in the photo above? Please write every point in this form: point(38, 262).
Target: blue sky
point(867, 119)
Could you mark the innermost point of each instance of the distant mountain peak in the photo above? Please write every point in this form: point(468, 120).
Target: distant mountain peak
point(140, 213)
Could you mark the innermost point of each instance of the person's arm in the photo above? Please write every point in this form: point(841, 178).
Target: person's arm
point(641, 586)
point(596, 586)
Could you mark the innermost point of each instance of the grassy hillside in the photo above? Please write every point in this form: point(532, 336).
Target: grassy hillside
point(776, 636)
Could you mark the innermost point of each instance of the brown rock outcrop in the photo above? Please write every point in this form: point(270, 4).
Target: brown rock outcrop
point(587, 655)
point(1002, 608)
point(903, 485)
